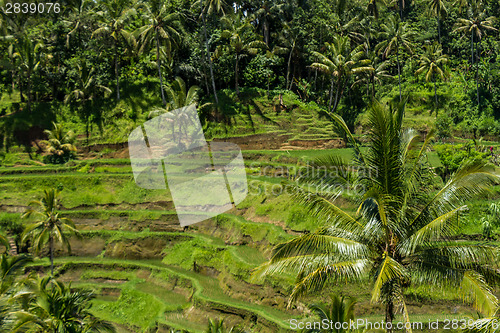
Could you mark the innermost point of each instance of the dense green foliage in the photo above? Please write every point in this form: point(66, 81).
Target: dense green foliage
point(109, 63)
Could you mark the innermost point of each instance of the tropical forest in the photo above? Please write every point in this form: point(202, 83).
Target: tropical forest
point(368, 149)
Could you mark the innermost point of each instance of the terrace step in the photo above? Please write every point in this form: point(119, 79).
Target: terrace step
point(13, 247)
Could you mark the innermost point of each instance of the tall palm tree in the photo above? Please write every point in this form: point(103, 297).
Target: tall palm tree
point(48, 226)
point(376, 76)
point(162, 26)
point(340, 62)
point(207, 8)
point(178, 96)
point(287, 44)
point(85, 92)
point(437, 8)
point(402, 234)
point(395, 36)
point(55, 307)
point(432, 63)
point(29, 54)
point(112, 21)
point(77, 18)
point(476, 26)
point(267, 12)
point(241, 41)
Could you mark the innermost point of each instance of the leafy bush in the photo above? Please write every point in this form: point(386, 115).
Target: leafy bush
point(452, 157)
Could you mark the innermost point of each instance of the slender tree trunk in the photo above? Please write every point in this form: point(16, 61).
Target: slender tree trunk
point(209, 57)
point(265, 28)
point(20, 89)
point(373, 87)
point(158, 64)
point(29, 90)
point(117, 72)
point(236, 76)
point(331, 95)
point(439, 28)
point(289, 65)
point(435, 97)
point(401, 9)
point(338, 95)
point(399, 75)
point(51, 246)
point(87, 115)
point(13, 79)
point(472, 48)
point(477, 76)
point(389, 315)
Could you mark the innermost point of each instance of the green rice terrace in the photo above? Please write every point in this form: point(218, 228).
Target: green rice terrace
point(369, 133)
point(150, 273)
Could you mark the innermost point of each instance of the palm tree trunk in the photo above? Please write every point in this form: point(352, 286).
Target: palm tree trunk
point(29, 89)
point(373, 87)
point(236, 75)
point(477, 77)
point(117, 72)
point(337, 95)
point(288, 66)
point(13, 79)
point(399, 74)
point(158, 64)
point(265, 28)
point(331, 96)
point(208, 56)
point(472, 48)
point(389, 315)
point(51, 246)
point(20, 88)
point(435, 97)
point(439, 29)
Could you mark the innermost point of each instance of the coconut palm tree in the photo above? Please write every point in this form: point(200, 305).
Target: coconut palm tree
point(112, 21)
point(55, 307)
point(339, 310)
point(402, 233)
point(217, 326)
point(395, 36)
point(437, 8)
point(178, 96)
point(286, 43)
point(29, 54)
point(85, 92)
point(340, 62)
point(266, 12)
point(376, 76)
point(432, 63)
point(60, 144)
point(477, 25)
point(80, 10)
point(162, 26)
point(11, 269)
point(241, 40)
point(207, 8)
point(48, 225)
